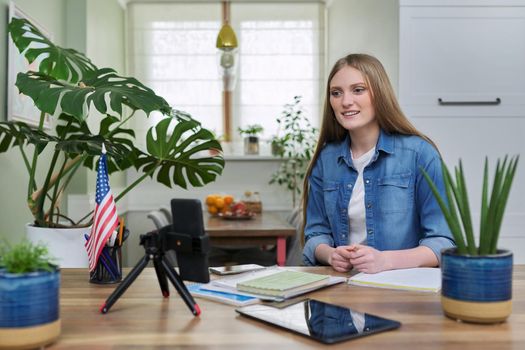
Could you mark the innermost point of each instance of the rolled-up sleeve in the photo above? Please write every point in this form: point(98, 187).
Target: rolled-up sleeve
point(436, 234)
point(317, 229)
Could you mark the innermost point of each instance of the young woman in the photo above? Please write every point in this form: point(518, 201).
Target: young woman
point(367, 205)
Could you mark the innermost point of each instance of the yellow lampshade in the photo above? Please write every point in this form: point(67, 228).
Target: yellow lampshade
point(226, 39)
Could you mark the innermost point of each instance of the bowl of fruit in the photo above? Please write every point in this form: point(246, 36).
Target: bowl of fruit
point(219, 203)
point(226, 208)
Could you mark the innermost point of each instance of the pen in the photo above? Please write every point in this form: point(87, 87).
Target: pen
point(112, 269)
point(121, 229)
point(103, 258)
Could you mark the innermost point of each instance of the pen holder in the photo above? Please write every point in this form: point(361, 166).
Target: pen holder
point(109, 265)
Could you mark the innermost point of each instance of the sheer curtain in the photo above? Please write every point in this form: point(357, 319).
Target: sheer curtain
point(172, 49)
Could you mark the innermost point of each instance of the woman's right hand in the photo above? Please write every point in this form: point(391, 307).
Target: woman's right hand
point(339, 259)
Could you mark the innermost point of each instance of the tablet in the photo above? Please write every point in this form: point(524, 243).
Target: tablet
point(327, 323)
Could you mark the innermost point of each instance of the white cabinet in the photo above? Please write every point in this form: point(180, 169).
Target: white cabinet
point(469, 54)
point(462, 58)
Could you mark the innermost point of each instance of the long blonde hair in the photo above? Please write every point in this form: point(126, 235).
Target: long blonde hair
point(387, 110)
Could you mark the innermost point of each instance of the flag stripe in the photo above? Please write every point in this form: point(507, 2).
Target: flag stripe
point(105, 218)
point(105, 226)
point(100, 214)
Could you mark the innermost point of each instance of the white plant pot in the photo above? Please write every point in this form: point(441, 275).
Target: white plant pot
point(65, 244)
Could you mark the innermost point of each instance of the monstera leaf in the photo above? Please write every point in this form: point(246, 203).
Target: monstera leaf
point(176, 155)
point(57, 62)
point(76, 100)
point(19, 134)
point(120, 149)
point(76, 138)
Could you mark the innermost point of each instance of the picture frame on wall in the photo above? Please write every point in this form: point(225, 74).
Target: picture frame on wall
point(21, 107)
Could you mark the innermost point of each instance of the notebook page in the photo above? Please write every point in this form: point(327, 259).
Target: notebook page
point(425, 279)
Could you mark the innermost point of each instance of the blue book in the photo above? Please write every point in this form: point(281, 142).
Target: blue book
point(224, 297)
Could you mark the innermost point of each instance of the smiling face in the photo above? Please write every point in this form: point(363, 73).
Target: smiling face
point(351, 101)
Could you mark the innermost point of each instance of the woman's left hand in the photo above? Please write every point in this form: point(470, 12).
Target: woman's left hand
point(367, 259)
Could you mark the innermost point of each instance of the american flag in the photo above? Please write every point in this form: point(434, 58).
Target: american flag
point(105, 219)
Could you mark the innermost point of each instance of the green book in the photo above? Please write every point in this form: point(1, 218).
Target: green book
point(284, 284)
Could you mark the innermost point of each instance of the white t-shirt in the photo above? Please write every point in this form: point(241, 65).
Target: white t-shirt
point(356, 206)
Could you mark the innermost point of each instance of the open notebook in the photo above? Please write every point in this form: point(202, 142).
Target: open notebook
point(423, 279)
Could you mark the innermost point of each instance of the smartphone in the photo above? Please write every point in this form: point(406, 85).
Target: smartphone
point(192, 254)
point(235, 269)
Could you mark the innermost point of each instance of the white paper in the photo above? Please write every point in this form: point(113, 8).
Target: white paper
point(424, 279)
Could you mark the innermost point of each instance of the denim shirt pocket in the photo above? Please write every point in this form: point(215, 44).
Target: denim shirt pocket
point(330, 193)
point(395, 195)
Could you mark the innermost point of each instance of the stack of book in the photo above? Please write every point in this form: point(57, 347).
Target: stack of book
point(274, 284)
point(284, 284)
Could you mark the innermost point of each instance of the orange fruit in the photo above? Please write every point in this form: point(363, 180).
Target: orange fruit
point(212, 210)
point(228, 199)
point(219, 202)
point(210, 199)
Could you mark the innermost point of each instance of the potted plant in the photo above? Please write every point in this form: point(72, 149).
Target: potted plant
point(476, 280)
point(29, 297)
point(69, 87)
point(251, 138)
point(294, 145)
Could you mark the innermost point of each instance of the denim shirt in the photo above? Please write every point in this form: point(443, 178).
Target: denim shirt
point(401, 211)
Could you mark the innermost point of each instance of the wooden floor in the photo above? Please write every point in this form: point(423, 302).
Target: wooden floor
point(142, 318)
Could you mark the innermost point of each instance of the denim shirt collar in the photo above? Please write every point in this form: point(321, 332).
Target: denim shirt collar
point(385, 143)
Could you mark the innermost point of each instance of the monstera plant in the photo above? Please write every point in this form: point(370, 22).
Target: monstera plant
point(69, 87)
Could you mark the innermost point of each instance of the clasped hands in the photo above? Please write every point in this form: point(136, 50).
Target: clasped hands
point(361, 257)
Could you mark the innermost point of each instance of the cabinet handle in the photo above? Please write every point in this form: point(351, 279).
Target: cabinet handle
point(469, 103)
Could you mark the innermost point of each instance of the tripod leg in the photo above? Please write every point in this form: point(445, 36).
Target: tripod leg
point(126, 282)
point(181, 288)
point(161, 276)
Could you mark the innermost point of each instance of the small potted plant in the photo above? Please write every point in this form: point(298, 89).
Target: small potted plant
point(295, 145)
point(476, 280)
point(251, 138)
point(29, 296)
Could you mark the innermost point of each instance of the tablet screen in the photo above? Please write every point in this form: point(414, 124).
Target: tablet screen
point(321, 321)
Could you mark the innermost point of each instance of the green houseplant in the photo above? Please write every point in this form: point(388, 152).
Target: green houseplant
point(476, 280)
point(294, 144)
point(29, 302)
point(251, 138)
point(69, 87)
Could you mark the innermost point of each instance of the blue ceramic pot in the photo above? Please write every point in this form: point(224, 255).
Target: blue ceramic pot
point(477, 288)
point(29, 309)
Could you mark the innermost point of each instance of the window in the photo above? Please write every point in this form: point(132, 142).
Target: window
point(172, 50)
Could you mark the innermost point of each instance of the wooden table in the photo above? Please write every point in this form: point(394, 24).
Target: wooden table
point(142, 318)
point(266, 228)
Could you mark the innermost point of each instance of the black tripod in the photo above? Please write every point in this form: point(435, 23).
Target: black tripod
point(153, 247)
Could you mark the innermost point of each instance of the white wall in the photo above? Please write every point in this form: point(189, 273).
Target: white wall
point(372, 27)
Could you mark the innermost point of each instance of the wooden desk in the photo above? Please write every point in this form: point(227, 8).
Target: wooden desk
point(266, 228)
point(142, 318)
